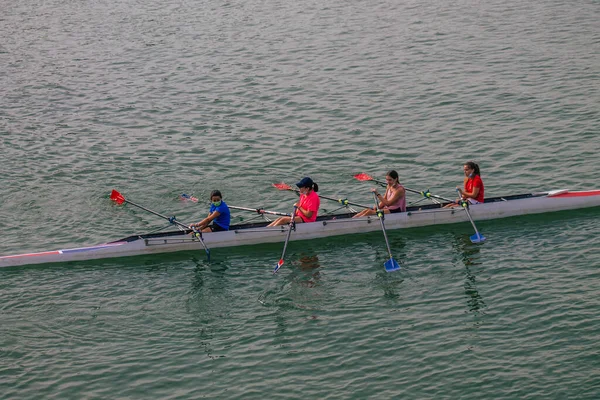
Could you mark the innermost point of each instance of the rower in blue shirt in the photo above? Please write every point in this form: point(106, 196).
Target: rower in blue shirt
point(219, 215)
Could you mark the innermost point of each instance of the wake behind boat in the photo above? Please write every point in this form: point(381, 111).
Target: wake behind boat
point(326, 226)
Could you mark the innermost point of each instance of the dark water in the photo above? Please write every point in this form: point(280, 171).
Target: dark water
point(156, 99)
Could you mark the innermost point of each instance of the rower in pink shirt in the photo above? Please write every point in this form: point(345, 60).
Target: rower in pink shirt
point(394, 199)
point(307, 207)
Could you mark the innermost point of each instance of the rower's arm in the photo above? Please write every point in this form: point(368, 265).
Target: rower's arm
point(473, 194)
point(397, 196)
point(305, 212)
point(208, 219)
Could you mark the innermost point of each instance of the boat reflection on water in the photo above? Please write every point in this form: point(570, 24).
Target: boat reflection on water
point(469, 254)
point(309, 262)
point(296, 293)
point(309, 266)
point(300, 273)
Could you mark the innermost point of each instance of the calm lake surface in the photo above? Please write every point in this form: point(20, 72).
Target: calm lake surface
point(156, 99)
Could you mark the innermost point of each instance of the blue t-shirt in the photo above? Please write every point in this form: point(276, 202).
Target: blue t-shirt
point(224, 217)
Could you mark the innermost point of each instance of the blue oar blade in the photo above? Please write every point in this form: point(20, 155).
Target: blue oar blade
point(279, 264)
point(391, 265)
point(477, 238)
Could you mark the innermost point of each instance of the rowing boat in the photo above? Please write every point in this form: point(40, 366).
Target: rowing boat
point(325, 226)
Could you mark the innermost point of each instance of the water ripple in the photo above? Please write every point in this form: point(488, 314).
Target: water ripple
point(160, 98)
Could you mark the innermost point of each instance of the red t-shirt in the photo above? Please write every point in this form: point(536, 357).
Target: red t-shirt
point(309, 202)
point(473, 183)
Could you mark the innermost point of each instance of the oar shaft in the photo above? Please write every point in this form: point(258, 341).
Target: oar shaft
point(287, 239)
point(290, 227)
point(341, 201)
point(471, 219)
point(158, 214)
point(379, 182)
point(477, 238)
point(424, 194)
point(198, 235)
point(429, 195)
point(345, 202)
point(260, 211)
point(116, 196)
point(387, 243)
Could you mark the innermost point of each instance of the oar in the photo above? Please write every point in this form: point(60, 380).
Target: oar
point(198, 235)
point(188, 197)
point(366, 177)
point(477, 237)
point(291, 226)
point(260, 211)
point(119, 199)
point(256, 210)
point(391, 264)
point(345, 202)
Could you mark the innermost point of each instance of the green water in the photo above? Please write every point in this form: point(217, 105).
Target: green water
point(156, 99)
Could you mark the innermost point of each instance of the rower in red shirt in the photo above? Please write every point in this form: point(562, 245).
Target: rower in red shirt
point(473, 190)
point(473, 185)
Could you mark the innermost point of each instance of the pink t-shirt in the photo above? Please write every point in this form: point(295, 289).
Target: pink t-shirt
point(400, 203)
point(309, 202)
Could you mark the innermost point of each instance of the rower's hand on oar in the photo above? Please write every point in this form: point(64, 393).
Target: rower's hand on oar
point(377, 195)
point(196, 232)
point(196, 226)
point(461, 198)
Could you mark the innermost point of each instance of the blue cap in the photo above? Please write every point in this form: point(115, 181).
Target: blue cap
point(305, 182)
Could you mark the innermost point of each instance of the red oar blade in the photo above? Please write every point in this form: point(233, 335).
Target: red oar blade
point(282, 186)
point(363, 177)
point(116, 196)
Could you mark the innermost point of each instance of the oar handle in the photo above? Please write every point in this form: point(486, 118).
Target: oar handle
point(462, 202)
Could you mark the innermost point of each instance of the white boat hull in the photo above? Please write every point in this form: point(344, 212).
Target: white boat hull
point(245, 235)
